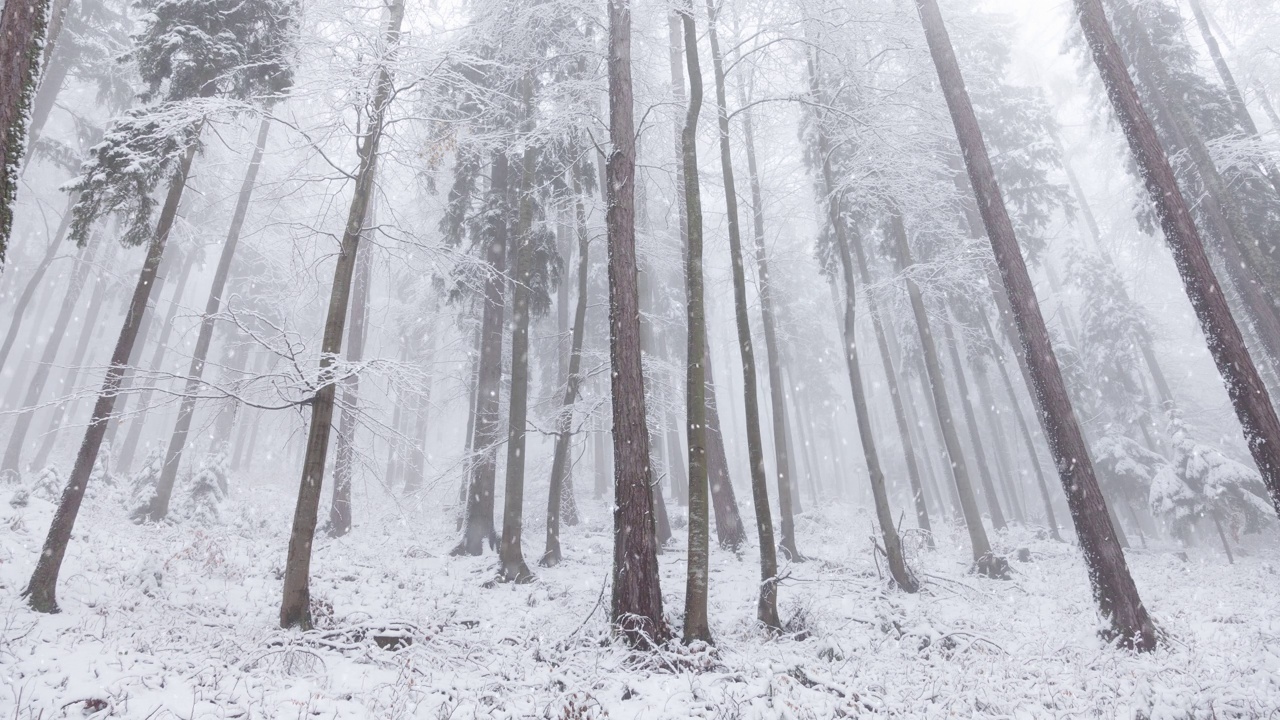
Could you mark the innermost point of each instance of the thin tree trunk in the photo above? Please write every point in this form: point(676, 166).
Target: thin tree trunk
point(19, 309)
point(46, 98)
point(22, 35)
point(159, 506)
point(124, 461)
point(985, 561)
point(551, 556)
point(767, 603)
point(986, 399)
point(35, 387)
point(975, 437)
point(1113, 587)
point(1248, 394)
point(696, 627)
point(478, 524)
point(41, 591)
point(295, 605)
point(730, 532)
point(511, 563)
point(636, 601)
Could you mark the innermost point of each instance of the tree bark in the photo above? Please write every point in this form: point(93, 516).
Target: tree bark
point(767, 602)
point(1113, 587)
point(35, 387)
point(1248, 394)
point(295, 606)
point(636, 601)
point(20, 306)
point(730, 532)
point(975, 438)
point(551, 556)
point(158, 508)
point(41, 591)
point(22, 34)
point(696, 627)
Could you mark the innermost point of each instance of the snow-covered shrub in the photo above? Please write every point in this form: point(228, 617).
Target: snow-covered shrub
point(142, 486)
point(208, 490)
point(1125, 468)
point(47, 485)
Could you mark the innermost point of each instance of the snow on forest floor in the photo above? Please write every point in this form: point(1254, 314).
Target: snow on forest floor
point(178, 621)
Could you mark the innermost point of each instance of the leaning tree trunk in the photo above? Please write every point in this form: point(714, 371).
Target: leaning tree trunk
point(158, 508)
point(1113, 587)
point(22, 35)
point(898, 569)
point(985, 562)
point(19, 310)
point(767, 604)
point(35, 387)
point(295, 606)
point(1248, 394)
point(477, 522)
point(636, 601)
point(696, 625)
point(511, 564)
point(730, 532)
point(124, 461)
point(975, 437)
point(41, 591)
point(551, 556)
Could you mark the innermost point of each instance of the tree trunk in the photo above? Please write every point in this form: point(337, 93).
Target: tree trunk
point(985, 562)
point(55, 75)
point(41, 591)
point(1222, 535)
point(22, 34)
point(158, 508)
point(1248, 394)
point(478, 525)
point(19, 310)
point(1001, 443)
point(730, 532)
point(767, 603)
point(975, 437)
point(124, 461)
point(35, 387)
point(295, 605)
point(636, 602)
point(511, 564)
point(1113, 587)
point(551, 556)
point(696, 627)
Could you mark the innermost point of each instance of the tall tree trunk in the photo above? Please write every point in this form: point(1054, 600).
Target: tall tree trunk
point(124, 461)
point(19, 309)
point(511, 564)
point(767, 603)
point(1113, 587)
point(696, 627)
point(730, 532)
point(636, 601)
point(158, 507)
point(985, 561)
point(41, 591)
point(1248, 394)
point(975, 437)
point(35, 387)
point(295, 605)
point(46, 98)
point(997, 430)
point(22, 35)
point(71, 379)
point(551, 556)
point(478, 525)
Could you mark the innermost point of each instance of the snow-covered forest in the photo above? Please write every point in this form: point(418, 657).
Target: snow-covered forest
point(584, 359)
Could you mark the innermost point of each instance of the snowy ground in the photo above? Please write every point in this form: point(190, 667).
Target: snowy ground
point(173, 621)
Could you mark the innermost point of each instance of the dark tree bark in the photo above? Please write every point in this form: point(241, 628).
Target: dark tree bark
point(35, 387)
point(22, 34)
point(19, 309)
point(975, 437)
point(1113, 587)
point(985, 562)
point(730, 532)
point(636, 602)
point(551, 556)
point(477, 523)
point(511, 564)
point(55, 74)
point(41, 591)
point(295, 606)
point(696, 627)
point(767, 604)
point(1248, 394)
point(159, 506)
point(124, 460)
